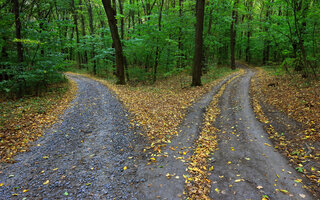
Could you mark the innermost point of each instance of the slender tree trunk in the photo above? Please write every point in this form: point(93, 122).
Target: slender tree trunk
point(122, 35)
point(180, 45)
point(75, 20)
point(157, 49)
point(249, 33)
point(122, 19)
point(207, 49)
point(16, 10)
point(197, 66)
point(89, 7)
point(83, 31)
point(116, 39)
point(300, 31)
point(266, 49)
point(233, 33)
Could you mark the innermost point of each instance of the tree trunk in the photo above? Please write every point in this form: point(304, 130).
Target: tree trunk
point(122, 35)
point(157, 49)
point(233, 33)
point(180, 45)
point(122, 19)
point(116, 39)
point(249, 8)
point(266, 49)
point(16, 10)
point(83, 30)
point(75, 20)
point(89, 7)
point(197, 66)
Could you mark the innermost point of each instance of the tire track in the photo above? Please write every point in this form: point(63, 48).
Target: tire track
point(246, 166)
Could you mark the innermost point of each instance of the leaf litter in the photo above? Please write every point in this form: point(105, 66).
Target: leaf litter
point(300, 101)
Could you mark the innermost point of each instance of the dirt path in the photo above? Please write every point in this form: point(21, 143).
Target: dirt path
point(93, 154)
point(83, 157)
point(164, 178)
point(246, 166)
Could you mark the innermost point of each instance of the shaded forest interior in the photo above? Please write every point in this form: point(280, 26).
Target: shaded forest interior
point(157, 38)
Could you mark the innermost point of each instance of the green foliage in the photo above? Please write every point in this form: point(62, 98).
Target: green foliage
point(54, 42)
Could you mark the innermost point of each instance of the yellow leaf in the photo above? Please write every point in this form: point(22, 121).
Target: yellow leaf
point(1, 184)
point(46, 182)
point(298, 180)
point(55, 169)
point(267, 144)
point(217, 190)
point(238, 180)
point(25, 191)
point(284, 191)
point(211, 168)
point(125, 168)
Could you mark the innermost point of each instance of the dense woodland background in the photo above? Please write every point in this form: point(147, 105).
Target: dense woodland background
point(41, 39)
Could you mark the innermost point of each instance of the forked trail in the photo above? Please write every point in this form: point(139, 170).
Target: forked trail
point(93, 154)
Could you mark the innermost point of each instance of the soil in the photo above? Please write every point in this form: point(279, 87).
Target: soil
point(94, 153)
point(246, 165)
point(164, 178)
point(83, 157)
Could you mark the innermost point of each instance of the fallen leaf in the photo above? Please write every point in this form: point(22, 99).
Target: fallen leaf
point(284, 191)
point(46, 182)
point(302, 195)
point(125, 168)
point(25, 191)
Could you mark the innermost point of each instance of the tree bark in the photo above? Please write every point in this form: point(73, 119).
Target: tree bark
point(16, 10)
point(157, 49)
point(233, 33)
point(266, 49)
point(249, 33)
point(83, 30)
point(89, 7)
point(75, 20)
point(197, 66)
point(180, 45)
point(116, 39)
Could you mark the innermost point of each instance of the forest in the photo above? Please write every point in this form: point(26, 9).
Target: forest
point(160, 99)
point(42, 39)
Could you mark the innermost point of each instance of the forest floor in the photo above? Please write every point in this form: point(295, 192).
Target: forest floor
point(174, 142)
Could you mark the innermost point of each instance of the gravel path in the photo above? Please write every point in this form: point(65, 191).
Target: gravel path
point(246, 166)
point(164, 179)
point(83, 157)
point(93, 154)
